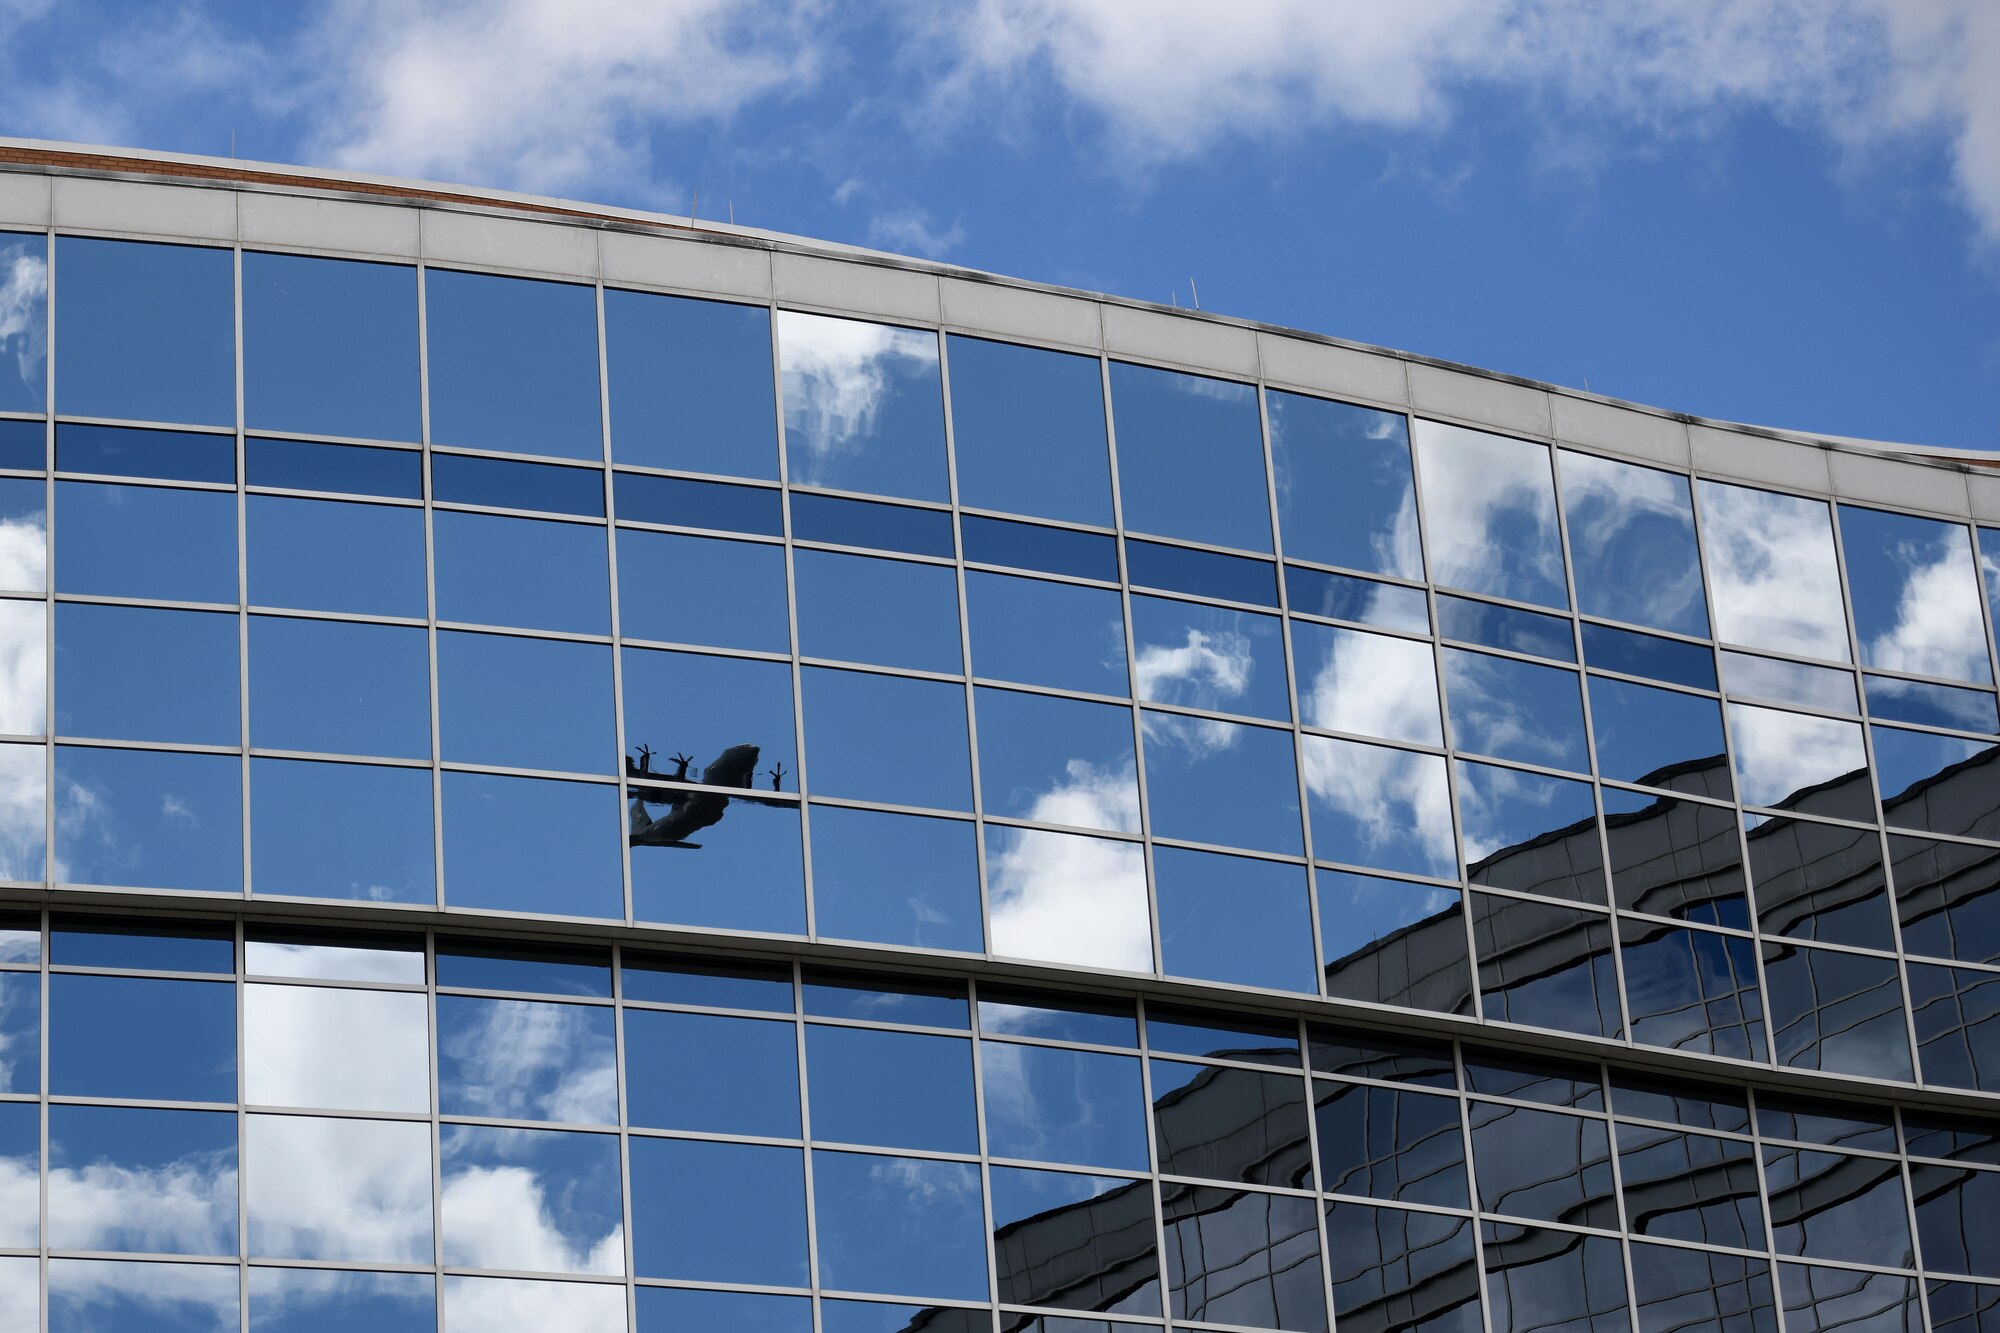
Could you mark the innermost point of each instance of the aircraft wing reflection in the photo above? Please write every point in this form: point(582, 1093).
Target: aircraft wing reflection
point(687, 810)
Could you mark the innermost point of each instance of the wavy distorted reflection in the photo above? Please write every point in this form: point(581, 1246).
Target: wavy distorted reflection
point(1791, 761)
point(24, 294)
point(1068, 898)
point(1776, 583)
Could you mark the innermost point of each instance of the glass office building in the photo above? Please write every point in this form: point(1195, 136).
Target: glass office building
point(577, 771)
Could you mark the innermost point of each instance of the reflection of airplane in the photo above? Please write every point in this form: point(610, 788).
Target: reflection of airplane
point(687, 811)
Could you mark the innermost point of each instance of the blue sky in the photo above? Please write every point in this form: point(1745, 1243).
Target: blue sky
point(1778, 211)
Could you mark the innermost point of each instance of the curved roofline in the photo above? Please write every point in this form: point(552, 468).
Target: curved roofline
point(59, 158)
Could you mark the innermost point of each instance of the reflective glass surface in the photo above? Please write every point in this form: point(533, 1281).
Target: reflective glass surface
point(343, 468)
point(149, 818)
point(1515, 710)
point(711, 1074)
point(1947, 898)
point(1393, 942)
point(24, 337)
point(1658, 738)
point(1223, 918)
point(1036, 546)
point(529, 845)
point(166, 455)
point(1345, 495)
point(1028, 431)
point(1066, 898)
point(1315, 592)
point(330, 347)
point(1636, 654)
point(891, 1089)
point(523, 572)
point(1395, 1270)
point(1507, 628)
point(758, 852)
point(691, 384)
point(1931, 705)
point(1915, 594)
point(146, 332)
point(893, 613)
point(718, 1212)
point(1490, 514)
point(864, 406)
point(731, 717)
point(698, 590)
point(922, 760)
point(339, 687)
point(1820, 882)
point(1367, 684)
point(513, 364)
point(24, 530)
point(300, 556)
point(301, 819)
point(1382, 1143)
point(1221, 782)
point(1056, 761)
point(300, 1300)
point(349, 1050)
point(896, 879)
point(1692, 990)
point(1631, 542)
point(1530, 832)
point(1207, 657)
point(189, 538)
point(1545, 965)
point(1044, 1103)
point(869, 523)
point(1789, 682)
point(1190, 457)
point(902, 1226)
point(1200, 573)
point(526, 1060)
point(525, 703)
point(1790, 761)
point(347, 1190)
point(142, 1181)
point(504, 484)
point(142, 1037)
point(1243, 1257)
point(1538, 1279)
point(1036, 632)
point(182, 688)
point(1379, 808)
point(1675, 858)
point(530, 1200)
point(1772, 571)
point(113, 1296)
point(1837, 1011)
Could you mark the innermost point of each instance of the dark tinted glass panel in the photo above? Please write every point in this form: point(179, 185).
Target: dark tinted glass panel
point(1221, 782)
point(1820, 882)
point(1239, 1257)
point(923, 760)
point(1017, 1013)
point(838, 522)
point(1530, 832)
point(1544, 965)
point(1660, 738)
point(669, 1309)
point(1528, 1078)
point(881, 999)
point(1915, 594)
point(718, 1212)
point(891, 1089)
point(1041, 633)
point(681, 503)
point(349, 469)
point(547, 969)
point(1230, 1124)
point(1542, 1164)
point(1387, 1144)
point(1539, 1279)
point(1057, 761)
point(1967, 1140)
point(884, 1317)
point(684, 843)
point(1044, 1103)
point(513, 364)
point(1814, 765)
point(330, 347)
point(1183, 1033)
point(1834, 1124)
point(1675, 858)
point(1377, 807)
point(140, 674)
point(1315, 592)
point(1631, 540)
point(729, 718)
point(1962, 1307)
point(1345, 495)
point(1075, 1242)
point(1836, 1300)
point(525, 1060)
point(1368, 684)
point(149, 818)
point(1415, 1060)
point(1028, 429)
point(1401, 1272)
point(565, 1209)
point(297, 1300)
point(1209, 657)
point(669, 979)
point(895, 879)
point(499, 484)
point(1201, 573)
point(997, 541)
point(1692, 1187)
point(1393, 942)
point(1231, 919)
point(1190, 457)
point(152, 946)
point(1957, 1016)
point(1948, 898)
point(301, 555)
point(143, 1038)
point(1692, 990)
point(339, 687)
point(1634, 654)
point(525, 703)
point(527, 845)
point(24, 445)
point(1490, 514)
point(1938, 784)
point(1840, 1012)
point(302, 822)
point(105, 1296)
point(333, 955)
point(864, 406)
point(697, 590)
point(900, 1226)
point(856, 608)
point(1681, 1291)
point(1515, 710)
point(24, 345)
point(189, 538)
point(142, 1181)
point(521, 571)
point(1930, 705)
point(1697, 1105)
point(1954, 1205)
point(165, 455)
point(1772, 571)
point(691, 384)
point(147, 332)
point(1834, 1206)
point(1506, 627)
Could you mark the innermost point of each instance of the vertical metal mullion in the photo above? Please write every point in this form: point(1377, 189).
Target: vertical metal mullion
point(624, 1123)
point(437, 1133)
point(430, 605)
point(1610, 1123)
point(1764, 1202)
point(965, 669)
point(617, 643)
point(48, 747)
point(242, 1140)
point(1910, 1215)
point(1472, 1184)
point(798, 673)
point(991, 1245)
point(1318, 1177)
point(806, 1143)
point(42, 1109)
point(1153, 1160)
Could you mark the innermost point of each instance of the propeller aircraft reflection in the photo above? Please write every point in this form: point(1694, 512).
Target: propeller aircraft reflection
point(687, 812)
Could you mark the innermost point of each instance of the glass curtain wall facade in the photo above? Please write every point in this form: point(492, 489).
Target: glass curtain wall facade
point(559, 804)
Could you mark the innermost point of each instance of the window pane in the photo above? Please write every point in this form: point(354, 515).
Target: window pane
point(1679, 1289)
point(23, 668)
point(1938, 784)
point(669, 979)
point(1057, 761)
point(1789, 682)
point(346, 1050)
point(1314, 592)
point(105, 1296)
point(1540, 1279)
point(24, 445)
point(1233, 578)
point(503, 484)
point(1507, 628)
point(1930, 705)
point(147, 332)
point(526, 1060)
point(667, 1309)
point(143, 1038)
point(1084, 1108)
point(899, 1226)
point(525, 703)
point(1692, 990)
point(1834, 1206)
point(354, 1190)
point(1776, 582)
point(1820, 882)
point(1207, 657)
point(503, 1305)
point(1545, 965)
point(189, 540)
point(531, 1199)
point(895, 879)
point(1345, 495)
point(342, 468)
point(302, 817)
point(1058, 635)
point(167, 455)
point(1950, 1202)
point(1190, 457)
point(1391, 942)
point(922, 761)
point(758, 852)
point(20, 1172)
point(735, 712)
point(1231, 919)
point(1007, 1012)
point(1490, 514)
point(1948, 898)
point(1369, 684)
point(1543, 1165)
point(1419, 1061)
point(513, 364)
point(864, 406)
point(181, 687)
point(1241, 1257)
point(691, 384)
point(24, 532)
point(24, 336)
point(1183, 1032)
point(1793, 762)
point(874, 997)
point(1064, 898)
point(1631, 539)
point(299, 1300)
point(1649, 655)
point(1838, 1300)
point(526, 845)
point(20, 1035)
point(1028, 426)
point(149, 818)
point(883, 612)
point(1515, 710)
point(522, 571)
point(869, 523)
point(684, 503)
point(1230, 1124)
point(539, 969)
point(1075, 1242)
point(1064, 551)
point(333, 955)
point(1840, 1012)
point(339, 687)
point(1530, 832)
point(1915, 594)
point(1395, 1270)
point(890, 1089)
point(1956, 1035)
point(330, 347)
point(1221, 782)
point(1386, 1144)
point(302, 555)
point(1380, 808)
point(718, 1212)
point(1658, 738)
point(142, 1181)
point(713, 1075)
point(699, 590)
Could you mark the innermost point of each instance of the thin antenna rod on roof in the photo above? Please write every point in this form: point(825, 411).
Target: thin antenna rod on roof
point(695, 206)
point(1197, 293)
point(732, 212)
point(232, 143)
point(1175, 297)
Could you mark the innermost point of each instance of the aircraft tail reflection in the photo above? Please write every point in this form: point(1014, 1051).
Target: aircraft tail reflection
point(687, 812)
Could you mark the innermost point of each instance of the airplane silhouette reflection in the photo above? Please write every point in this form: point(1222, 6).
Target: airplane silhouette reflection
point(688, 811)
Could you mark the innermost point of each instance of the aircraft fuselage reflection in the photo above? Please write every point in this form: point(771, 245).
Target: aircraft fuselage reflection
point(687, 812)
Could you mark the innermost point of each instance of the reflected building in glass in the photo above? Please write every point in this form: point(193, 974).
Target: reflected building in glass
point(571, 770)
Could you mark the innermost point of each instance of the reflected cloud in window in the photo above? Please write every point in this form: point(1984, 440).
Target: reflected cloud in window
point(1776, 582)
point(1378, 807)
point(864, 407)
point(1915, 594)
point(1490, 514)
point(24, 323)
point(1065, 898)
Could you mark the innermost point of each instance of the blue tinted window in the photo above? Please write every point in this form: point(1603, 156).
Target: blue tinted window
point(1632, 545)
point(1040, 633)
point(143, 1038)
point(1930, 705)
point(857, 608)
point(24, 530)
point(1906, 764)
point(166, 455)
point(147, 817)
point(545, 969)
point(1692, 990)
point(1226, 918)
point(1836, 1011)
point(731, 717)
point(522, 571)
point(864, 406)
point(691, 384)
point(1004, 1011)
point(1057, 761)
point(571, 1216)
point(839, 522)
point(1064, 897)
point(922, 760)
point(710, 1074)
point(1658, 737)
point(1209, 657)
point(501, 484)
point(1393, 942)
point(528, 845)
point(1221, 782)
point(895, 879)
point(1201, 573)
point(1345, 494)
point(686, 843)
point(21, 1054)
point(513, 364)
point(301, 555)
point(105, 1296)
point(1181, 1032)
point(302, 1300)
point(147, 332)
point(1378, 807)
point(900, 1226)
point(1490, 514)
point(137, 942)
point(330, 347)
point(21, 1157)
point(140, 674)
point(1788, 760)
point(1915, 595)
point(525, 703)
point(667, 979)
point(886, 999)
point(24, 445)
point(1127, 1269)
point(1515, 710)
point(1190, 457)
point(1028, 427)
point(678, 502)
point(1634, 654)
point(890, 1089)
point(698, 590)
point(670, 1309)
point(302, 821)
point(24, 345)
point(1084, 1108)
point(109, 1167)
point(349, 469)
point(1315, 592)
point(999, 541)
point(340, 687)
point(719, 1212)
point(526, 1059)
point(1506, 628)
point(1369, 684)
point(188, 539)
point(1529, 831)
